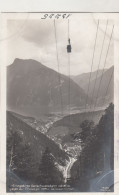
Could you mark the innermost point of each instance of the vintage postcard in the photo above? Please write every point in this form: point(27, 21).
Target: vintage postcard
point(59, 102)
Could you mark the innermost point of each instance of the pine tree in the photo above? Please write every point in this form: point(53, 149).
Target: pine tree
point(106, 137)
point(13, 142)
point(20, 159)
point(87, 129)
point(98, 153)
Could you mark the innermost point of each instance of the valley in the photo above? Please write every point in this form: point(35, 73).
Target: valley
point(49, 126)
point(61, 131)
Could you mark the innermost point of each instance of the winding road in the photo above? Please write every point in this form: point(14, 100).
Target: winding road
point(68, 168)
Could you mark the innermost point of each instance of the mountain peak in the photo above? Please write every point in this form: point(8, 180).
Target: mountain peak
point(17, 60)
point(26, 64)
point(33, 89)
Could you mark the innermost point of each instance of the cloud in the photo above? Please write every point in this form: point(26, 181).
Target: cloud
point(37, 40)
point(39, 32)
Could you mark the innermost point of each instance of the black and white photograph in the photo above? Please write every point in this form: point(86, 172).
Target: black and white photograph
point(60, 103)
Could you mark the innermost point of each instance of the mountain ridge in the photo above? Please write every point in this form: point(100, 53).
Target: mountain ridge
point(103, 80)
point(36, 139)
point(33, 88)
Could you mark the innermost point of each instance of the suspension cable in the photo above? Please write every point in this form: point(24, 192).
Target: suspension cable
point(68, 28)
point(69, 80)
point(69, 70)
point(108, 86)
point(91, 66)
point(103, 68)
point(98, 64)
point(58, 65)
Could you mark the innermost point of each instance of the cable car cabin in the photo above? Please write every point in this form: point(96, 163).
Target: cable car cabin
point(69, 47)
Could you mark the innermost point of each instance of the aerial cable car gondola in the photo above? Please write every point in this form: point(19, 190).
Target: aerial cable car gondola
point(69, 47)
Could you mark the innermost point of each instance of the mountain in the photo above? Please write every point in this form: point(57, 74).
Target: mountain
point(37, 140)
point(91, 170)
point(83, 79)
point(33, 89)
point(107, 84)
point(25, 155)
point(106, 91)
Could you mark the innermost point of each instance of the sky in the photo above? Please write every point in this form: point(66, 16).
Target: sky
point(35, 39)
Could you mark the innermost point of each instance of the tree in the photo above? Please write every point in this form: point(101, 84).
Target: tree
point(20, 159)
point(13, 142)
point(97, 155)
point(106, 135)
point(87, 129)
point(48, 172)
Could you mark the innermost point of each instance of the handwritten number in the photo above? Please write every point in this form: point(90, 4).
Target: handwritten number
point(45, 16)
